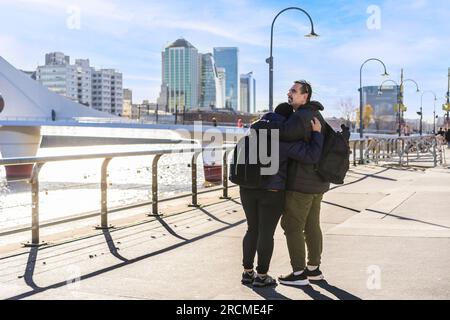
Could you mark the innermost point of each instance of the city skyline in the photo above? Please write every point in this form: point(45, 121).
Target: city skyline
point(131, 36)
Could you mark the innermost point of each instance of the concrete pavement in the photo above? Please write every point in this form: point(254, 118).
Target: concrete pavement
point(386, 236)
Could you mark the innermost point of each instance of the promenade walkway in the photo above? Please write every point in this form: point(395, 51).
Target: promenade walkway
point(386, 236)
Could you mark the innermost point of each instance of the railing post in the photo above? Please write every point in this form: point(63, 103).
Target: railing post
point(362, 147)
point(155, 186)
point(354, 153)
point(400, 152)
point(104, 197)
point(407, 154)
point(35, 207)
point(435, 152)
point(418, 145)
point(194, 180)
point(374, 152)
point(225, 175)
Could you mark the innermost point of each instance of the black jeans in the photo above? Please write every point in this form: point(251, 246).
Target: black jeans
point(263, 211)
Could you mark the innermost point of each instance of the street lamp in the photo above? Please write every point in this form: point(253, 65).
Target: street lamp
point(269, 60)
point(401, 107)
point(421, 110)
point(401, 92)
point(446, 106)
point(361, 103)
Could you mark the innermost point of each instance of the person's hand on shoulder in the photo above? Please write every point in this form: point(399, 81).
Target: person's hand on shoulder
point(316, 125)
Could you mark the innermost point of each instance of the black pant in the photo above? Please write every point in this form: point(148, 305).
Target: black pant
point(263, 211)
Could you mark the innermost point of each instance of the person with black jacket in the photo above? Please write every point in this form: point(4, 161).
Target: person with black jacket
point(263, 207)
point(304, 190)
point(447, 137)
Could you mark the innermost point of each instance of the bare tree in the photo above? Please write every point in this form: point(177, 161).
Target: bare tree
point(347, 109)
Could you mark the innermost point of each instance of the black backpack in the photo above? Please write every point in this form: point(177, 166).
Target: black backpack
point(245, 169)
point(335, 160)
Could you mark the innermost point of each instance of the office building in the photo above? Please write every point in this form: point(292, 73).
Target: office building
point(208, 81)
point(227, 58)
point(181, 75)
point(80, 82)
point(247, 93)
point(385, 117)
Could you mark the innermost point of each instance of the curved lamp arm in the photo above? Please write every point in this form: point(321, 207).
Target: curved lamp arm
point(411, 80)
point(423, 93)
point(311, 34)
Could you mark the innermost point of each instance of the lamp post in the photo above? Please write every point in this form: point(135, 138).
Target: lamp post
point(361, 151)
point(401, 92)
point(446, 106)
point(269, 60)
point(421, 110)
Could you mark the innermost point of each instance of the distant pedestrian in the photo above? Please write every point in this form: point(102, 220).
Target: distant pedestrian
point(240, 124)
point(447, 137)
point(214, 121)
point(345, 132)
point(441, 132)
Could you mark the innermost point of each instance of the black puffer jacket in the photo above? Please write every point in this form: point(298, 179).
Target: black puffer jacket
point(302, 177)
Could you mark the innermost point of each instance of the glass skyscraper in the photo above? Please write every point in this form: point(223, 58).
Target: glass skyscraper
point(227, 58)
point(248, 93)
point(208, 81)
point(181, 75)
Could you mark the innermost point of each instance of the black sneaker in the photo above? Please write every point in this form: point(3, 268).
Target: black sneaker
point(264, 281)
point(293, 280)
point(313, 275)
point(248, 277)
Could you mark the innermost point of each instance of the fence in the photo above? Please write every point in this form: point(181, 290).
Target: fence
point(375, 149)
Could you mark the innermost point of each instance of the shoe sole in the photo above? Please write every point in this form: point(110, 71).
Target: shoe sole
point(316, 278)
point(295, 283)
point(246, 281)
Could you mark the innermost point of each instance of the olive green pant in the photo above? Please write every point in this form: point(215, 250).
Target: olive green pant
point(301, 224)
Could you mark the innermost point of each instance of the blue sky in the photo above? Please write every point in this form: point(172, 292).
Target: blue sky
point(130, 35)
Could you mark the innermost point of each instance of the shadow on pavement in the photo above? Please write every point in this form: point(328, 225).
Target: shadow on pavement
point(112, 246)
point(209, 214)
point(33, 254)
point(269, 293)
point(310, 291)
point(372, 175)
point(169, 229)
point(31, 265)
point(409, 219)
point(339, 293)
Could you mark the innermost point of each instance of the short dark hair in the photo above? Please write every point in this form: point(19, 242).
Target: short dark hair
point(284, 109)
point(306, 88)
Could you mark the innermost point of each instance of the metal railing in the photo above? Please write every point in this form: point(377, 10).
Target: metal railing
point(376, 149)
point(399, 149)
point(39, 162)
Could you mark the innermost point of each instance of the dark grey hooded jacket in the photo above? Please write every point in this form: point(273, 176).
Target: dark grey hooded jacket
point(302, 177)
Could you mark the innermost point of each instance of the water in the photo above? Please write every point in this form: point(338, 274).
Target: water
point(73, 187)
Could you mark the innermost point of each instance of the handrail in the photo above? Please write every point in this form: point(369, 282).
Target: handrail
point(376, 146)
point(39, 162)
point(32, 160)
